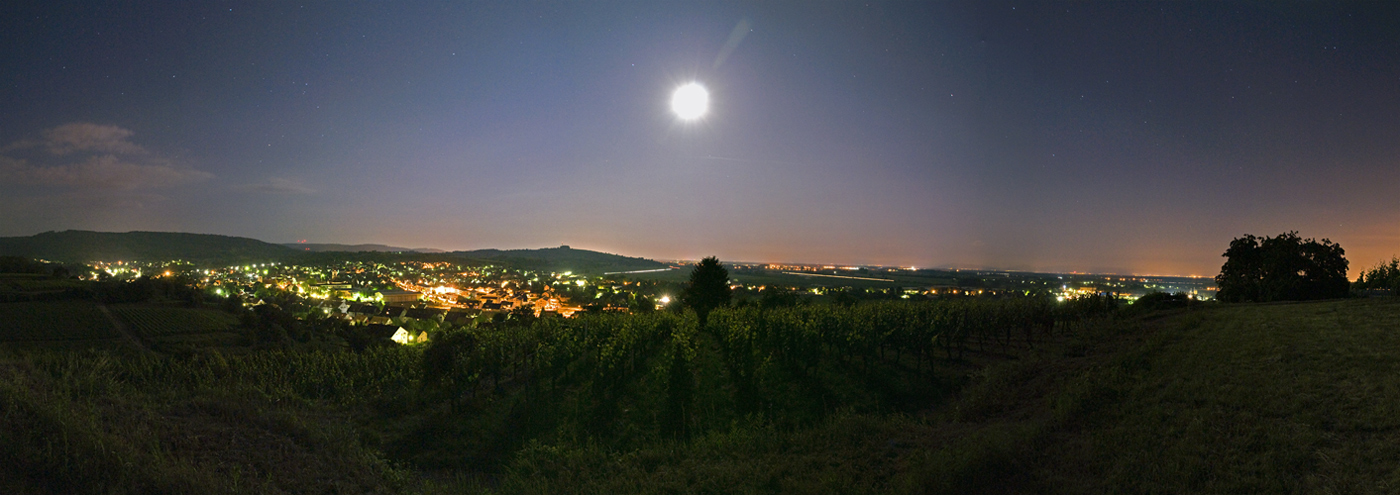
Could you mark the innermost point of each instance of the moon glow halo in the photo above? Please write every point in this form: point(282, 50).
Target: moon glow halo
point(690, 102)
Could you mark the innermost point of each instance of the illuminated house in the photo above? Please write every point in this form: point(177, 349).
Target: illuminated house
point(390, 332)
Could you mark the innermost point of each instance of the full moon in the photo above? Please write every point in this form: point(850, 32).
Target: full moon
point(690, 102)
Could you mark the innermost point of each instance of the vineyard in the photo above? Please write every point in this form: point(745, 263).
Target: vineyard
point(509, 398)
point(625, 380)
point(161, 321)
point(57, 320)
point(338, 378)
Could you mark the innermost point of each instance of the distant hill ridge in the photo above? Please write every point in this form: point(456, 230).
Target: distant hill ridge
point(562, 258)
point(84, 246)
point(356, 248)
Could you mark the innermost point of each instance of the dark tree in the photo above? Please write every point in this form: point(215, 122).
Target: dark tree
point(522, 316)
point(1282, 268)
point(1157, 301)
point(774, 297)
point(19, 264)
point(1383, 277)
point(642, 304)
point(709, 288)
point(845, 298)
point(1241, 278)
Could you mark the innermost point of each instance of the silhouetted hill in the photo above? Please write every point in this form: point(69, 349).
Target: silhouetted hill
point(356, 248)
point(84, 246)
point(562, 259)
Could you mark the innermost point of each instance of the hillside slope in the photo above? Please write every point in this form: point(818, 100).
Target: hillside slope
point(1280, 398)
point(83, 246)
point(355, 248)
point(562, 259)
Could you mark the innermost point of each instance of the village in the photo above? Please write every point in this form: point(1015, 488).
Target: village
point(408, 298)
point(407, 301)
point(402, 301)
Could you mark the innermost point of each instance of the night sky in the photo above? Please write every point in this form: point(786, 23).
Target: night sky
point(1126, 137)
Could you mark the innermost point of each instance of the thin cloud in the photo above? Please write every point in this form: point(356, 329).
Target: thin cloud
point(277, 185)
point(88, 156)
point(99, 172)
point(81, 137)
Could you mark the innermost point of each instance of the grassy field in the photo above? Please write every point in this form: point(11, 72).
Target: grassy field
point(1282, 398)
point(1287, 398)
point(1279, 398)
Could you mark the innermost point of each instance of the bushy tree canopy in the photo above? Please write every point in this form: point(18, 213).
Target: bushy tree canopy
point(709, 287)
point(1382, 276)
point(1282, 268)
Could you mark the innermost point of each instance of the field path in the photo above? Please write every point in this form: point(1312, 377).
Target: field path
point(121, 327)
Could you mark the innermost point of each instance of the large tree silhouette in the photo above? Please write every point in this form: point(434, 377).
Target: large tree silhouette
point(1282, 268)
point(709, 288)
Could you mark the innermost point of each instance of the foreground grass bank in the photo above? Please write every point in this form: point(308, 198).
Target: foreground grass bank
point(1247, 399)
point(1250, 398)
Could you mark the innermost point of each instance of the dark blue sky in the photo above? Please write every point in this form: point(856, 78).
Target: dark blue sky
point(1125, 137)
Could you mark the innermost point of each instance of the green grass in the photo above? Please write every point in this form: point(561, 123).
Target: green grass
point(1258, 398)
point(1287, 398)
point(83, 423)
point(56, 320)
